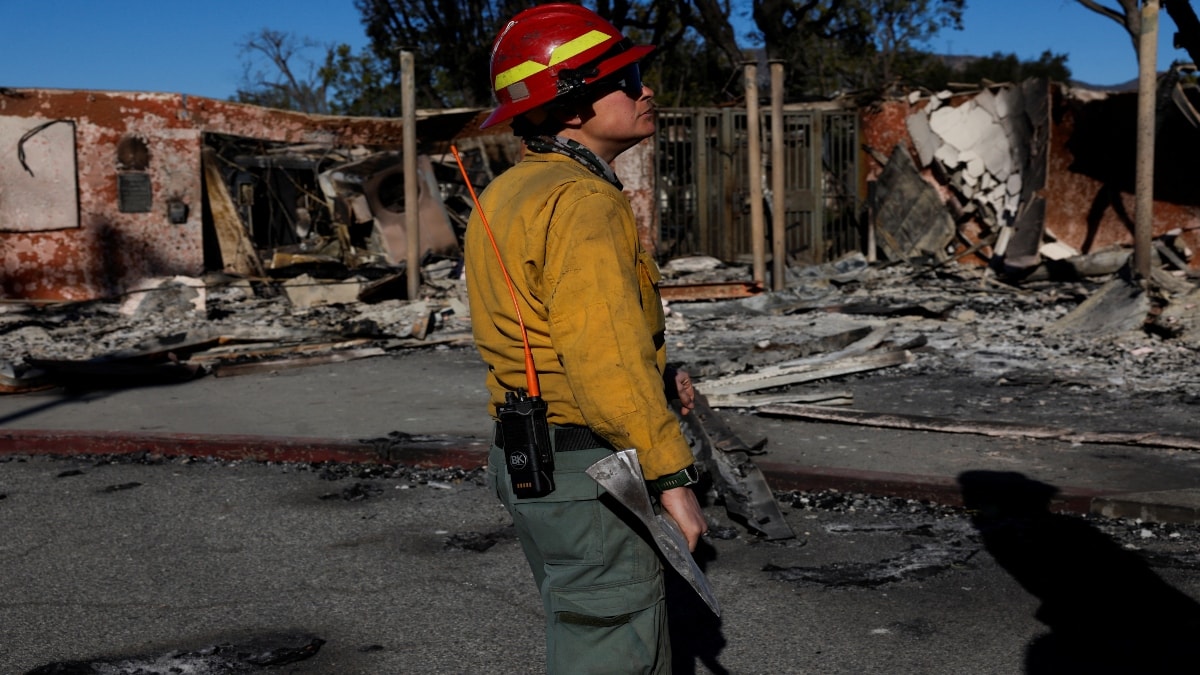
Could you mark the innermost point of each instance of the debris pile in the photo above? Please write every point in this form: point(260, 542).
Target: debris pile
point(846, 319)
point(834, 322)
point(178, 329)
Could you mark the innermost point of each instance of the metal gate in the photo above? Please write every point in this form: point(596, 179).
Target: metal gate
point(704, 191)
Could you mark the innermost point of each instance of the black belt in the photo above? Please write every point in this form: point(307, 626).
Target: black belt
point(566, 438)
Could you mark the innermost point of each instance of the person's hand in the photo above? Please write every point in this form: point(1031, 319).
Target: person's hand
point(681, 504)
point(686, 392)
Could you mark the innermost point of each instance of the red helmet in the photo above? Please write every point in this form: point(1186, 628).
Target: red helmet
point(548, 51)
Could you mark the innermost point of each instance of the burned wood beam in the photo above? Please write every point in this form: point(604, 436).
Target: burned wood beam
point(237, 251)
point(982, 428)
point(909, 422)
point(259, 351)
point(737, 384)
point(1169, 254)
point(928, 310)
point(865, 339)
point(228, 370)
point(754, 401)
point(710, 291)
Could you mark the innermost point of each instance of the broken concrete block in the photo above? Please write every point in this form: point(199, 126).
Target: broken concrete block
point(974, 162)
point(694, 263)
point(947, 155)
point(1013, 185)
point(177, 295)
point(304, 291)
point(1008, 102)
point(996, 152)
point(987, 101)
point(988, 182)
point(1056, 250)
point(964, 127)
point(1118, 307)
point(923, 138)
point(945, 121)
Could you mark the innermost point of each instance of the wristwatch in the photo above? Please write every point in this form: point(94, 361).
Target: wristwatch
point(689, 475)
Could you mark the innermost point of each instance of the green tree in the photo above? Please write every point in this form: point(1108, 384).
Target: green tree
point(829, 46)
point(1008, 68)
point(834, 46)
point(451, 41)
point(899, 26)
point(361, 84)
point(940, 72)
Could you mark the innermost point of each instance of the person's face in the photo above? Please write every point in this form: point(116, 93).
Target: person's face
point(621, 115)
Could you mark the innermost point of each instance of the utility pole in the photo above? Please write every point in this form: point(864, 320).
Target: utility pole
point(1143, 213)
point(412, 224)
point(754, 150)
point(778, 189)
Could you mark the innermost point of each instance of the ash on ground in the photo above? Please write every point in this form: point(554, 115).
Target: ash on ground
point(958, 320)
point(1161, 545)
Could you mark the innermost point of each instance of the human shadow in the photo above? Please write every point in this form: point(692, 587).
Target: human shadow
point(1107, 611)
point(62, 398)
point(695, 631)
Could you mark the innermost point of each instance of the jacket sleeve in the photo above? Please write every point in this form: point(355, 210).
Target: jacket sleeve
point(601, 333)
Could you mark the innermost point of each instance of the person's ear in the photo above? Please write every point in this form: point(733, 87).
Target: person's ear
point(573, 117)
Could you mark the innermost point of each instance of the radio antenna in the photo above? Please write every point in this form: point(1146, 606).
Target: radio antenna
point(531, 380)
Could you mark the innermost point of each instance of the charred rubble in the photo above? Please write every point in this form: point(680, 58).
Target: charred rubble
point(847, 319)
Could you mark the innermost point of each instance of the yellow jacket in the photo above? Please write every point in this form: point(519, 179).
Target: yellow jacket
point(588, 295)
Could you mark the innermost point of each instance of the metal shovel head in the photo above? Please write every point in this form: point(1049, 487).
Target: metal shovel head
point(621, 475)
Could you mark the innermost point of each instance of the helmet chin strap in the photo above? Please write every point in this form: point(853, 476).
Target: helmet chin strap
point(576, 151)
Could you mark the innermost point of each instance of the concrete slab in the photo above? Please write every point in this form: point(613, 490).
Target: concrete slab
point(1162, 506)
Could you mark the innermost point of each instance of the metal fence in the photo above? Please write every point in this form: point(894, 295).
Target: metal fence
point(704, 192)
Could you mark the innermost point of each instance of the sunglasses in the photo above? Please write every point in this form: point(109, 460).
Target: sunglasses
point(628, 80)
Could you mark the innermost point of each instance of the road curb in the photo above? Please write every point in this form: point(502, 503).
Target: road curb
point(421, 451)
point(468, 453)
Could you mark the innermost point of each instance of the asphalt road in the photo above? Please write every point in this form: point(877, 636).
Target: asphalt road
point(419, 573)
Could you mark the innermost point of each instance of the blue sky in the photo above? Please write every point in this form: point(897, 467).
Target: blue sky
point(193, 47)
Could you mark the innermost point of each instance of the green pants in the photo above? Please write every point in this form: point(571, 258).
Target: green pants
point(601, 581)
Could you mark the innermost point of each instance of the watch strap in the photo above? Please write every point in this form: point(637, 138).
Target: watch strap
point(686, 476)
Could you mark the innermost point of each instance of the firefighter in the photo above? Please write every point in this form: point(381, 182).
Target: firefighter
point(585, 299)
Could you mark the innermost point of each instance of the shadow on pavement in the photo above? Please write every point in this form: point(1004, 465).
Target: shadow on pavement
point(695, 631)
point(63, 397)
point(1107, 611)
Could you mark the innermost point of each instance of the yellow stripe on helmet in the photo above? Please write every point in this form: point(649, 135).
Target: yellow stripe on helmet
point(561, 53)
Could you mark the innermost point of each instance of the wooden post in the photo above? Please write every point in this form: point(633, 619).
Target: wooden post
point(1143, 214)
point(754, 158)
point(412, 223)
point(778, 191)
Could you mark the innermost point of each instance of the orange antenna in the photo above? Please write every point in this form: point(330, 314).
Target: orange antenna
point(531, 381)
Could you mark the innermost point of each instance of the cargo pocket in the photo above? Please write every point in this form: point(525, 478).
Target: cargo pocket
point(567, 524)
point(610, 605)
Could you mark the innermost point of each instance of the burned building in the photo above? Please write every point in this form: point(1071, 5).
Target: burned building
point(100, 191)
point(1019, 174)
